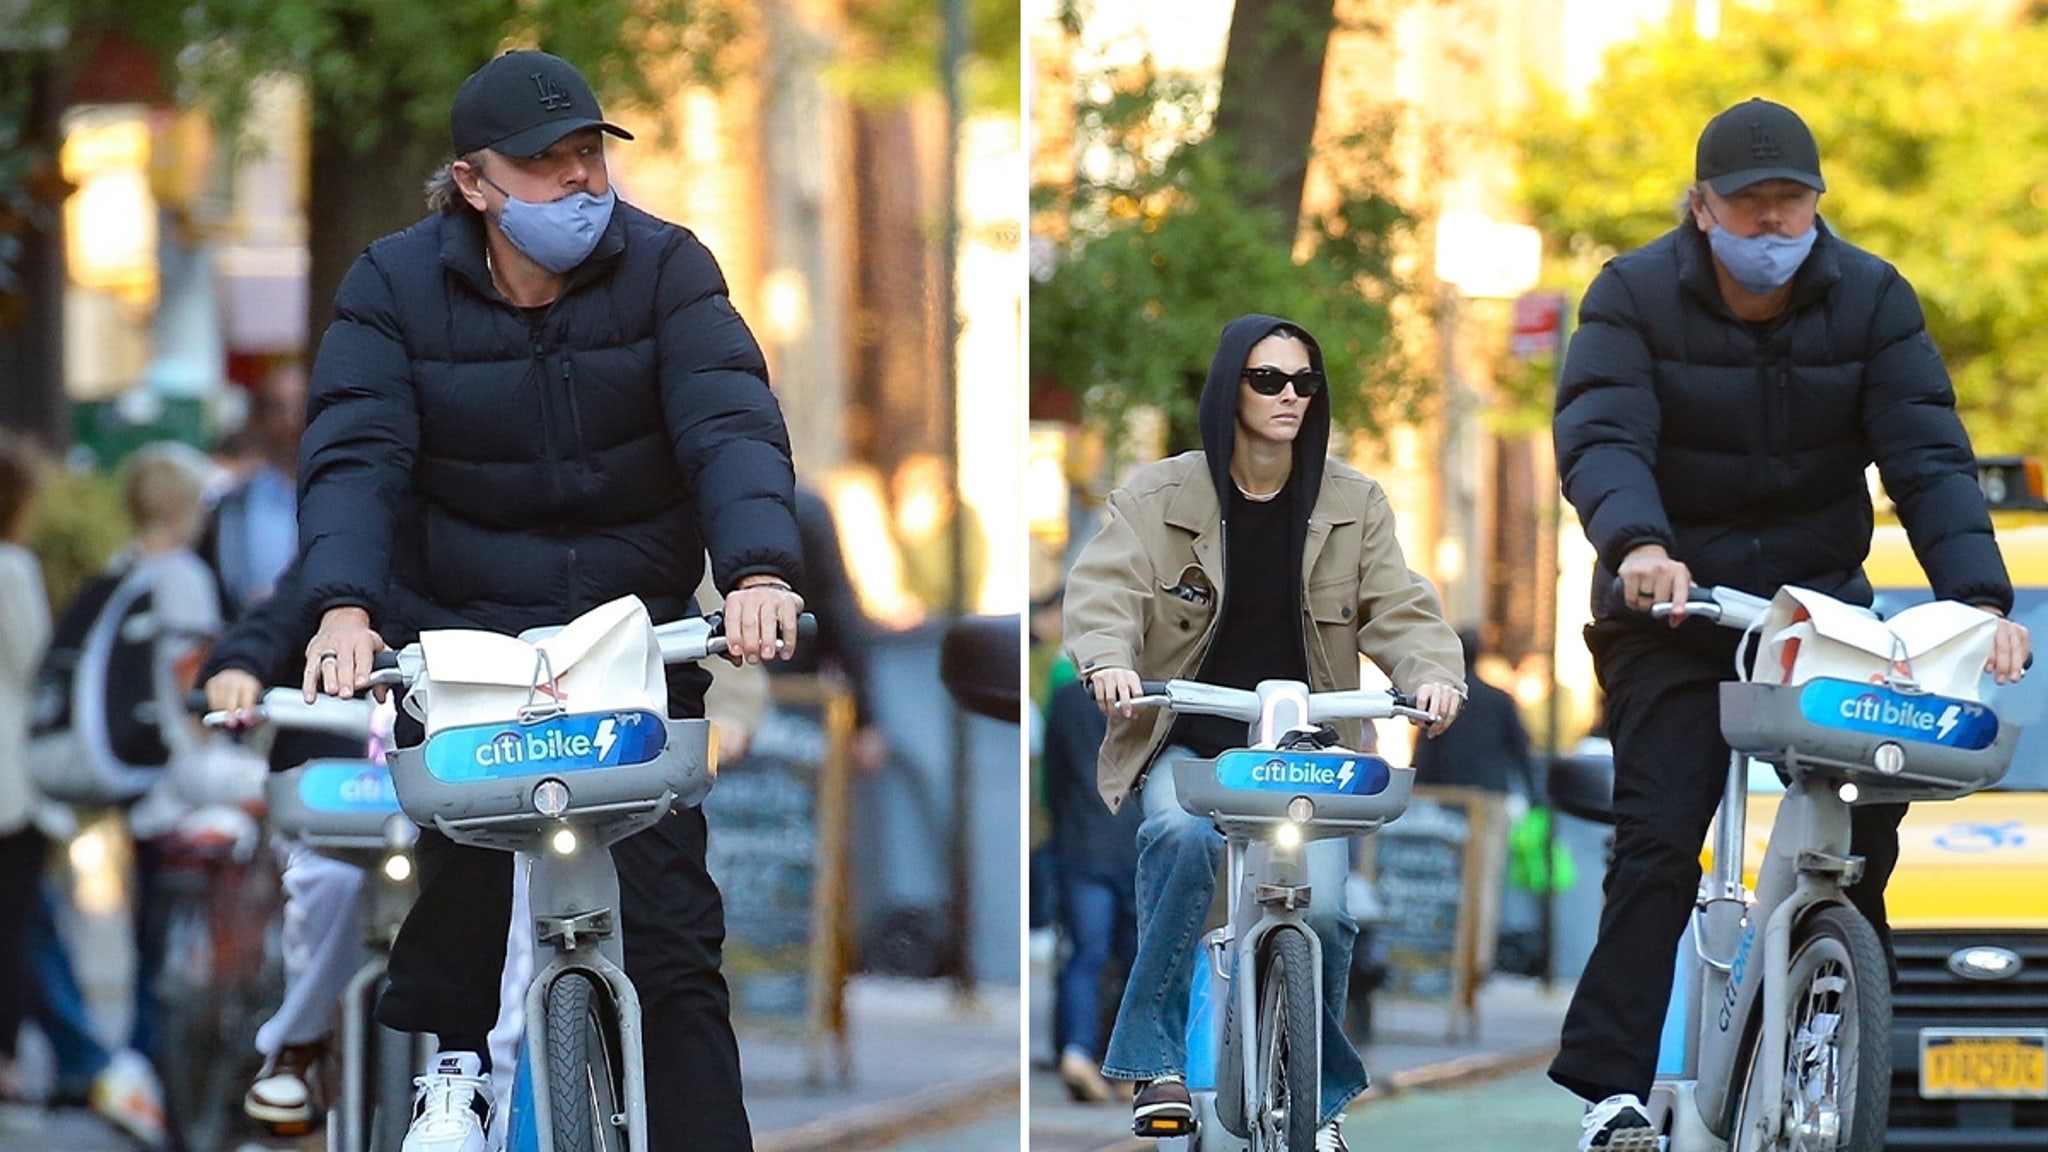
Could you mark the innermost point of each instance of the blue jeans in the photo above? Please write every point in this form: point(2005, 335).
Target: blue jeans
point(1178, 857)
point(60, 1006)
point(1098, 920)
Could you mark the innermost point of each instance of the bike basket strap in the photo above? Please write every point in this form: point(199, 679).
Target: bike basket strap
point(572, 743)
point(1297, 773)
point(1893, 745)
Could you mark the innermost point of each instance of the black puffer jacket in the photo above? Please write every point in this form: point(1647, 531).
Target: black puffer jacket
point(1741, 447)
point(469, 464)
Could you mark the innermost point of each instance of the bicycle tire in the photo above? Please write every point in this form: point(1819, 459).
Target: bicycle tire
point(585, 1085)
point(1229, 1061)
point(1839, 985)
point(217, 985)
point(1288, 1063)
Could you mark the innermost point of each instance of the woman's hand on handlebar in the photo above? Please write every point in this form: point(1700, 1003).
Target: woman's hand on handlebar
point(1649, 576)
point(235, 692)
point(1441, 701)
point(760, 620)
point(2011, 646)
point(1114, 689)
point(340, 655)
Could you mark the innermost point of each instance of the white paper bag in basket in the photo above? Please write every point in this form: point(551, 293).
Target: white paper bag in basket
point(604, 660)
point(1941, 645)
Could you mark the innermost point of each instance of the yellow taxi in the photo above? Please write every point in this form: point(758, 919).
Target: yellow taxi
point(1968, 902)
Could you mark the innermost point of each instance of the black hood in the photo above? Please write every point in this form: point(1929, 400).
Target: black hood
point(1219, 415)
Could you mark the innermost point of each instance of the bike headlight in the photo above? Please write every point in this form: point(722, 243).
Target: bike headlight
point(1848, 792)
point(551, 797)
point(563, 842)
point(1288, 835)
point(398, 867)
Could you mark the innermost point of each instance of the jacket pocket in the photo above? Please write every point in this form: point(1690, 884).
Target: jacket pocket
point(1334, 603)
point(1187, 603)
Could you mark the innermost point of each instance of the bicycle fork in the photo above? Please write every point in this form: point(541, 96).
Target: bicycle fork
point(1273, 879)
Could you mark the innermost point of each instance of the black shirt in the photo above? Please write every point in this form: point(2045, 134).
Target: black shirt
point(1259, 636)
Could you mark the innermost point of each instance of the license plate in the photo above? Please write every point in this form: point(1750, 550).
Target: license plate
point(1984, 1062)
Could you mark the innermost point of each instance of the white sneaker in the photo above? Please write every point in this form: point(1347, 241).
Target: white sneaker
point(126, 1094)
point(1330, 1137)
point(451, 1107)
point(1618, 1124)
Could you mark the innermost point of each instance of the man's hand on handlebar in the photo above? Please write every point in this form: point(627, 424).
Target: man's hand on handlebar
point(340, 655)
point(2011, 647)
point(1114, 689)
point(1649, 576)
point(235, 692)
point(760, 620)
point(1441, 701)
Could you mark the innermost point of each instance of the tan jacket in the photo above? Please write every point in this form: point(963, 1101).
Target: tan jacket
point(1165, 533)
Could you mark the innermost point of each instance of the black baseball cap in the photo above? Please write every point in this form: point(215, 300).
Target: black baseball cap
point(521, 103)
point(1755, 141)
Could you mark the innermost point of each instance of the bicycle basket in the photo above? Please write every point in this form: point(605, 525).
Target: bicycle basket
point(481, 784)
point(1894, 745)
point(336, 804)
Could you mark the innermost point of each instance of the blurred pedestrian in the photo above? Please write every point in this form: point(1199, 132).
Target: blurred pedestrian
point(1095, 862)
point(1146, 600)
point(1489, 748)
point(923, 506)
point(843, 629)
point(1730, 385)
point(24, 631)
point(253, 533)
point(537, 399)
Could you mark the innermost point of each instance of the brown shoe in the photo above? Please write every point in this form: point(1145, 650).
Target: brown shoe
point(1083, 1079)
point(288, 1096)
point(1163, 1108)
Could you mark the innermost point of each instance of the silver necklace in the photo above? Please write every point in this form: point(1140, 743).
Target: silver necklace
point(1257, 497)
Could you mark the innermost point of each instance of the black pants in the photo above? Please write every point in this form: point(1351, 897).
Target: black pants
point(450, 956)
point(1663, 715)
point(21, 870)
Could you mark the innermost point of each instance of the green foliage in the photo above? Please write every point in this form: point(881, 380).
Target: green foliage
point(79, 525)
point(899, 50)
point(1933, 135)
point(1164, 246)
point(371, 62)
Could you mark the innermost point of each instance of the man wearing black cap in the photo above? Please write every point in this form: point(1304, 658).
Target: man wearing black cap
point(1729, 384)
point(534, 401)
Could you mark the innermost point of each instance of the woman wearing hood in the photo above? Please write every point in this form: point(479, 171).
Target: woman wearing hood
point(1180, 583)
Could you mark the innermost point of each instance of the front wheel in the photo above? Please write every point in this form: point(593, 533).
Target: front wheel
point(586, 1081)
point(1837, 1045)
point(1288, 1057)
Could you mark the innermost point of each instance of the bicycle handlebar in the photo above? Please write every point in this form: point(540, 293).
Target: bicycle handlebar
point(1243, 704)
point(681, 641)
point(287, 708)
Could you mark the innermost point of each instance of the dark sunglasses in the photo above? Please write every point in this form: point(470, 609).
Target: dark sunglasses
point(1269, 381)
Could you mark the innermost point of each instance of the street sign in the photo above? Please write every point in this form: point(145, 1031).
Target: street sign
point(1539, 325)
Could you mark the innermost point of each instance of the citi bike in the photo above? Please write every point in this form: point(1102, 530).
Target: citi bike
point(347, 810)
point(1288, 787)
point(1788, 1037)
point(580, 782)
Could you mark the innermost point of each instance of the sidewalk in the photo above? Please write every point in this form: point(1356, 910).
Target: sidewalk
point(922, 1061)
point(1412, 1048)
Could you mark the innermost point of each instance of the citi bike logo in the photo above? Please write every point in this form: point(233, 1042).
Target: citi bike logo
point(347, 788)
point(1940, 720)
point(1348, 773)
point(512, 747)
point(1736, 972)
point(563, 744)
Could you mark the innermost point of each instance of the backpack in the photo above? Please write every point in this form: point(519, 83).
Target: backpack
point(93, 725)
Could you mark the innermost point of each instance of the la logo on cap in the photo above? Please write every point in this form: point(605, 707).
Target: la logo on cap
point(551, 95)
point(1763, 145)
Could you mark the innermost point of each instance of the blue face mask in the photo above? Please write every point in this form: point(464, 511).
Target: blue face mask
point(559, 234)
point(1761, 263)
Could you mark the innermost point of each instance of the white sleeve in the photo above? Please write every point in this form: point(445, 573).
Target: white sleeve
point(24, 617)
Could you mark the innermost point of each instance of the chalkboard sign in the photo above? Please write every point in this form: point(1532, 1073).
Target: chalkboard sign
point(777, 852)
point(1437, 874)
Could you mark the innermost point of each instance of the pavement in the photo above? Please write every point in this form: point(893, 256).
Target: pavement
point(1413, 1049)
point(926, 1063)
